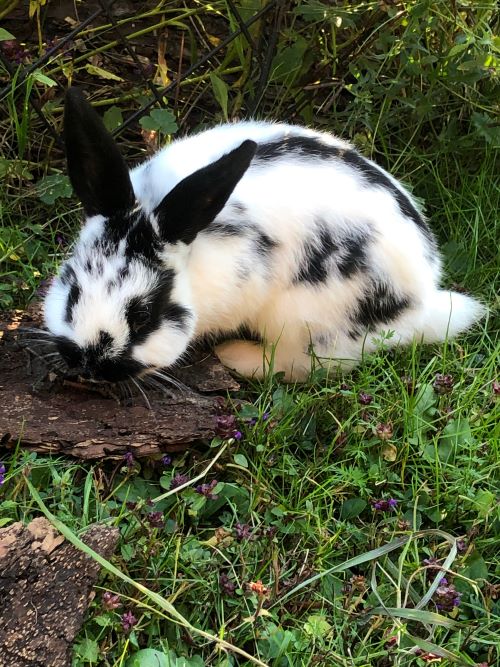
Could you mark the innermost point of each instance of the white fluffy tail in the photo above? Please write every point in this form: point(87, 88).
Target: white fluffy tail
point(449, 313)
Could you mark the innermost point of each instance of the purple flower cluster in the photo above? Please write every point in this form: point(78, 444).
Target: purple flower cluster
point(226, 426)
point(446, 597)
point(226, 585)
point(155, 519)
point(110, 601)
point(14, 51)
point(178, 480)
point(443, 384)
point(384, 505)
point(129, 459)
point(128, 621)
point(244, 532)
point(2, 473)
point(207, 490)
point(364, 398)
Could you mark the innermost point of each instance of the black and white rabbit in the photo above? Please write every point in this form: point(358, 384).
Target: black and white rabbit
point(281, 230)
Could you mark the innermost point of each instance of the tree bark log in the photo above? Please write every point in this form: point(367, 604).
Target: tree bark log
point(45, 589)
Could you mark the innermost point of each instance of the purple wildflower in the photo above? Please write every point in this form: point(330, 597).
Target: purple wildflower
point(226, 585)
point(166, 459)
point(384, 431)
point(461, 546)
point(60, 240)
point(178, 480)
point(364, 398)
point(243, 532)
point(496, 388)
point(128, 621)
point(110, 601)
point(384, 505)
point(129, 459)
point(443, 384)
point(226, 426)
point(2, 473)
point(155, 519)
point(446, 597)
point(207, 490)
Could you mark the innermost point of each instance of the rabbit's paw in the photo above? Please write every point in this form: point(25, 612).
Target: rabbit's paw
point(244, 357)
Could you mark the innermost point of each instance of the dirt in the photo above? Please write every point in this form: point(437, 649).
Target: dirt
point(46, 410)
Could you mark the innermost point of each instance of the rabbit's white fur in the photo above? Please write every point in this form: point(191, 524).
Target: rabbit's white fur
point(311, 253)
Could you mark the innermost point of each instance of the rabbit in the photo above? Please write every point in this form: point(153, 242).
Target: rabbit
point(279, 230)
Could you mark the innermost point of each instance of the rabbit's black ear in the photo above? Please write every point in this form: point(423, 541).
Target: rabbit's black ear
point(195, 201)
point(96, 168)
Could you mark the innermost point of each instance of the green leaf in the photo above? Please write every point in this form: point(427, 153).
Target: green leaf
point(54, 187)
point(485, 501)
point(487, 127)
point(317, 626)
point(5, 35)
point(220, 92)
point(456, 434)
point(352, 508)
point(241, 460)
point(160, 120)
point(149, 657)
point(102, 73)
point(42, 78)
point(113, 118)
point(475, 567)
point(87, 650)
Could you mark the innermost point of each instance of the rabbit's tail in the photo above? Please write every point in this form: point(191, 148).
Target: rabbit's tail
point(449, 313)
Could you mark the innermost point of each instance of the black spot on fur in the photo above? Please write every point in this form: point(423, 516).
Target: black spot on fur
point(67, 275)
point(123, 274)
point(176, 315)
point(142, 240)
point(144, 314)
point(352, 256)
point(264, 244)
point(305, 146)
point(317, 252)
point(73, 297)
point(239, 208)
point(380, 305)
point(88, 266)
point(224, 229)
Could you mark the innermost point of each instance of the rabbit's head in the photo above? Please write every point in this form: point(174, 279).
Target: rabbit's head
point(121, 304)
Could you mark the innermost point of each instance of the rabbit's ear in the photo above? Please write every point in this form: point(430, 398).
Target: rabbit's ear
point(195, 201)
point(96, 168)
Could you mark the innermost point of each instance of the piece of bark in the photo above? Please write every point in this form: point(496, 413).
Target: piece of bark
point(46, 412)
point(45, 589)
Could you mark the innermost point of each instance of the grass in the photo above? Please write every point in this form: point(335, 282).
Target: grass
point(292, 551)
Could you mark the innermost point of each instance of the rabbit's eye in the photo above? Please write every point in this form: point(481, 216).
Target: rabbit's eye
point(140, 320)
